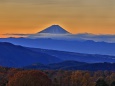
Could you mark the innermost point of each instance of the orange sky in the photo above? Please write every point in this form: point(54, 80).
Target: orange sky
point(76, 16)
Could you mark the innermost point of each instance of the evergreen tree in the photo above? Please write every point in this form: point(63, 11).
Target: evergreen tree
point(101, 82)
point(113, 83)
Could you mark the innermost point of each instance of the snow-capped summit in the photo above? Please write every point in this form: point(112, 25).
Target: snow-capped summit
point(54, 29)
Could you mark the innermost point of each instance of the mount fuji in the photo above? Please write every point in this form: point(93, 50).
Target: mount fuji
point(54, 31)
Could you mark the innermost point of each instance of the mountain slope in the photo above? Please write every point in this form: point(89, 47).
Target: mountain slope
point(89, 58)
point(18, 56)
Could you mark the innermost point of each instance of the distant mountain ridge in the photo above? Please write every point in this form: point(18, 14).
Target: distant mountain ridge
point(88, 47)
point(73, 65)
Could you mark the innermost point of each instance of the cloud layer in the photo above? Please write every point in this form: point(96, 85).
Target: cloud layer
point(80, 37)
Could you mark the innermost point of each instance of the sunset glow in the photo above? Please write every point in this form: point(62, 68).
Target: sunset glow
point(76, 16)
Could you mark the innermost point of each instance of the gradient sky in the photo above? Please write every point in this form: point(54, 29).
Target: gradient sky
point(76, 16)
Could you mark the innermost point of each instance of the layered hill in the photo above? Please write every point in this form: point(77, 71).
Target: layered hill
point(89, 47)
point(81, 57)
point(18, 56)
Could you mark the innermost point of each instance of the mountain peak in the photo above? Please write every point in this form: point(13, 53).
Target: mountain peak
point(54, 29)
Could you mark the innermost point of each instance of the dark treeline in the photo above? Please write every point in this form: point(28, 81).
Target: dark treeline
point(20, 77)
point(82, 78)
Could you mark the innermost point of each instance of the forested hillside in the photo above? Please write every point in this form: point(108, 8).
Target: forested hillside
point(21, 77)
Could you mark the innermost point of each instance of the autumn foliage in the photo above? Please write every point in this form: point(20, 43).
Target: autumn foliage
point(21, 77)
point(29, 78)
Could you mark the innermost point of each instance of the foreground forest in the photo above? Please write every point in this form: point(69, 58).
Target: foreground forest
point(21, 77)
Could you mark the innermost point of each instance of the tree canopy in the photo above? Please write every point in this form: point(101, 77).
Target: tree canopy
point(29, 78)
